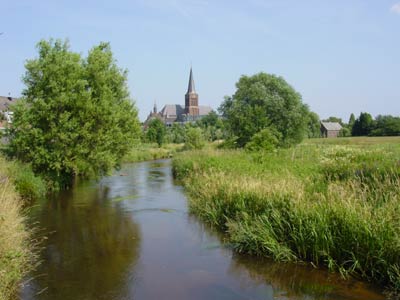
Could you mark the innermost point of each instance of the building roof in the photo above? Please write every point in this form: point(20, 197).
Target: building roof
point(204, 110)
point(5, 102)
point(191, 88)
point(331, 125)
point(172, 110)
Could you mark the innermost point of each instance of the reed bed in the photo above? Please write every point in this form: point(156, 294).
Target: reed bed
point(332, 205)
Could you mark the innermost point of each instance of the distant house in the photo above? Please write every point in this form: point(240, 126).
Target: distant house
point(5, 110)
point(330, 129)
point(192, 111)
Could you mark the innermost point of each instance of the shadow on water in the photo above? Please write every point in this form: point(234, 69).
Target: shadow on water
point(130, 236)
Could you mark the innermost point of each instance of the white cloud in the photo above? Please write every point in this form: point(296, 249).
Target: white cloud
point(395, 8)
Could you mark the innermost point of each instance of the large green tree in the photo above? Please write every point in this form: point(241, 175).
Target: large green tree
point(363, 125)
point(265, 101)
point(76, 117)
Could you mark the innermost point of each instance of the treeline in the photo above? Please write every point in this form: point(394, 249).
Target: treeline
point(366, 125)
point(194, 135)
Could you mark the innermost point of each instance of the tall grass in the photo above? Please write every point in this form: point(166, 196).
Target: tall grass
point(335, 206)
point(16, 248)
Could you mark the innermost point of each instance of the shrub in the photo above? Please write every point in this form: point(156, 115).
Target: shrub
point(194, 139)
point(266, 140)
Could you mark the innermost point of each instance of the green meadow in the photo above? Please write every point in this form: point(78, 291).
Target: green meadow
point(334, 203)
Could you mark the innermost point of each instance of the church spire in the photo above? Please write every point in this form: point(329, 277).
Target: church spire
point(191, 88)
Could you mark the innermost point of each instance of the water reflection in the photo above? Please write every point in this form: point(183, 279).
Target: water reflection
point(91, 247)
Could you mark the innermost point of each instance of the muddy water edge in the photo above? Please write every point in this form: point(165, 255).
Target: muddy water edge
point(130, 236)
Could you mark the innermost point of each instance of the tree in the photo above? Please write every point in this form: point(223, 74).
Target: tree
point(386, 126)
point(263, 101)
point(352, 119)
point(156, 132)
point(313, 125)
point(334, 120)
point(363, 125)
point(76, 117)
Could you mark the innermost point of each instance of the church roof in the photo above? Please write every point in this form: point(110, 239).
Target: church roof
point(172, 110)
point(191, 88)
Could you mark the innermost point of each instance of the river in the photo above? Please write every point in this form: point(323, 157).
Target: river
point(130, 236)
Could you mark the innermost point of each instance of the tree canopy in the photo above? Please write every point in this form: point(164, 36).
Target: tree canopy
point(156, 131)
point(265, 101)
point(76, 117)
point(363, 125)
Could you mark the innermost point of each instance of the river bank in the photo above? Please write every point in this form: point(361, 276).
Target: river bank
point(334, 205)
point(17, 249)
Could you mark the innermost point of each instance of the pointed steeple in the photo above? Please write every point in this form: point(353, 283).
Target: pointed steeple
point(191, 88)
point(155, 107)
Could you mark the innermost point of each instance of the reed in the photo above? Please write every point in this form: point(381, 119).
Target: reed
point(331, 205)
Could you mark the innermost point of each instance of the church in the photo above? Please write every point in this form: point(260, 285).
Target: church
point(192, 111)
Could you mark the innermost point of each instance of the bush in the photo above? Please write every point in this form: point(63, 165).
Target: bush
point(194, 139)
point(266, 140)
point(28, 185)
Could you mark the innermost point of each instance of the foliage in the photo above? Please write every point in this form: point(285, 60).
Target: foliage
point(28, 185)
point(352, 120)
point(76, 118)
point(386, 126)
point(313, 125)
point(345, 132)
point(335, 206)
point(176, 133)
point(156, 131)
point(212, 126)
point(266, 140)
point(262, 101)
point(334, 120)
point(194, 139)
point(145, 151)
point(363, 125)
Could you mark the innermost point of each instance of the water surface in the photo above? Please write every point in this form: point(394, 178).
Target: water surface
point(129, 236)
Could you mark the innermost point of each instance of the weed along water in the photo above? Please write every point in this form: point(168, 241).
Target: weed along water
point(130, 236)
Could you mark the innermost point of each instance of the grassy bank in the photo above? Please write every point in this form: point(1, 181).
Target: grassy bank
point(16, 247)
point(143, 152)
point(333, 205)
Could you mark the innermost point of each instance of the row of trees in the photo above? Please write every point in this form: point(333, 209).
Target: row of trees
point(366, 125)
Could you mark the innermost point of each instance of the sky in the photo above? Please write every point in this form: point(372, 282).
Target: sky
point(342, 56)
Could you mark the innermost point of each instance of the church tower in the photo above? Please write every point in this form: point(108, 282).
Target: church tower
point(191, 98)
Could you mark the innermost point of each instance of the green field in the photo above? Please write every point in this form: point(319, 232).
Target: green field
point(331, 202)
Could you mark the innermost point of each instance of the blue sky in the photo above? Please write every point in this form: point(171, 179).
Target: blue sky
point(343, 56)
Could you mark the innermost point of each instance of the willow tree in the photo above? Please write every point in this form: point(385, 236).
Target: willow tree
point(75, 117)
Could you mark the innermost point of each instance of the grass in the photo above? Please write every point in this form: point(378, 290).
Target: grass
point(144, 152)
point(332, 202)
point(16, 247)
